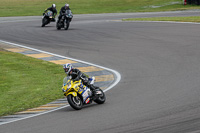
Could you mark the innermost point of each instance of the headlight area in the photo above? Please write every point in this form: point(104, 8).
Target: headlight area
point(68, 87)
point(63, 90)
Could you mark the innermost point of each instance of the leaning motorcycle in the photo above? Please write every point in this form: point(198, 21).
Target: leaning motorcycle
point(47, 18)
point(65, 20)
point(78, 94)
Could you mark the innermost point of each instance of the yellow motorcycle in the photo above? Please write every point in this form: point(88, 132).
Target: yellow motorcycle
point(78, 94)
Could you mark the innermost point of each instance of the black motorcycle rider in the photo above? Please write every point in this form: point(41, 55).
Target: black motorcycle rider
point(77, 75)
point(54, 10)
point(63, 10)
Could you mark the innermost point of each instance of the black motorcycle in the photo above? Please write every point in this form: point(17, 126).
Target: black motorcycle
point(47, 18)
point(65, 20)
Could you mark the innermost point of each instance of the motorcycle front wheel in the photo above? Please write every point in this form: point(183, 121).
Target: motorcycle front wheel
point(44, 22)
point(75, 102)
point(67, 25)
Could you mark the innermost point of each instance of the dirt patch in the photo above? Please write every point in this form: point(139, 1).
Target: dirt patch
point(1, 49)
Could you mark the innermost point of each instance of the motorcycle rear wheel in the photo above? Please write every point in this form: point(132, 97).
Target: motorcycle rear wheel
point(101, 97)
point(58, 26)
point(75, 102)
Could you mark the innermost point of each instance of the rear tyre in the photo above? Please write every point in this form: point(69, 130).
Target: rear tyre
point(75, 102)
point(58, 26)
point(101, 98)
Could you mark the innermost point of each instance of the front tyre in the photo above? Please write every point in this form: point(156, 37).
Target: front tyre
point(44, 22)
point(101, 98)
point(67, 25)
point(75, 102)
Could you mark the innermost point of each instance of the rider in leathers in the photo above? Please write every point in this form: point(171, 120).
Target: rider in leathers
point(77, 75)
point(63, 10)
point(53, 9)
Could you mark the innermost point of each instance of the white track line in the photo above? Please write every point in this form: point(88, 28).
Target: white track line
point(117, 75)
point(173, 22)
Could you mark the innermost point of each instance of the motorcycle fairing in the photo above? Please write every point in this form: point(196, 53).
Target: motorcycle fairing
point(72, 93)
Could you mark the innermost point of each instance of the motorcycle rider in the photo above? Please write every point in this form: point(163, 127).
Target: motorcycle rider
point(54, 10)
point(76, 75)
point(63, 10)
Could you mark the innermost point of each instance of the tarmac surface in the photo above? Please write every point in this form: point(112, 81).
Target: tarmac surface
point(158, 62)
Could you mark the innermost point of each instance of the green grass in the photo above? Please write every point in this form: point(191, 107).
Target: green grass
point(177, 19)
point(36, 7)
point(27, 82)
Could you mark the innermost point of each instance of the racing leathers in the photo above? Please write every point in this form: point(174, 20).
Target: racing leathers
point(62, 11)
point(54, 10)
point(77, 75)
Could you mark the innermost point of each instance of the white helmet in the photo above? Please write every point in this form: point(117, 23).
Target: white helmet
point(67, 68)
point(54, 5)
point(66, 5)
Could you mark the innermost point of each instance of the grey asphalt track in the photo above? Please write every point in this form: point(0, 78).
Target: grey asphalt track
point(159, 64)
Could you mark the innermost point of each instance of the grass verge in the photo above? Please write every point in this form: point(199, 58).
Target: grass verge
point(36, 7)
point(27, 82)
point(176, 19)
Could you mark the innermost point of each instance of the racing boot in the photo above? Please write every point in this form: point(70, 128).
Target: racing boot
point(92, 88)
point(53, 20)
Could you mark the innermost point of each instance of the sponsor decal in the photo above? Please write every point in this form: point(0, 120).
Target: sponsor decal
point(98, 92)
point(88, 100)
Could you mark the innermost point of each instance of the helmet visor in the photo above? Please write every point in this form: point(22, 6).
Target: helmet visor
point(66, 69)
